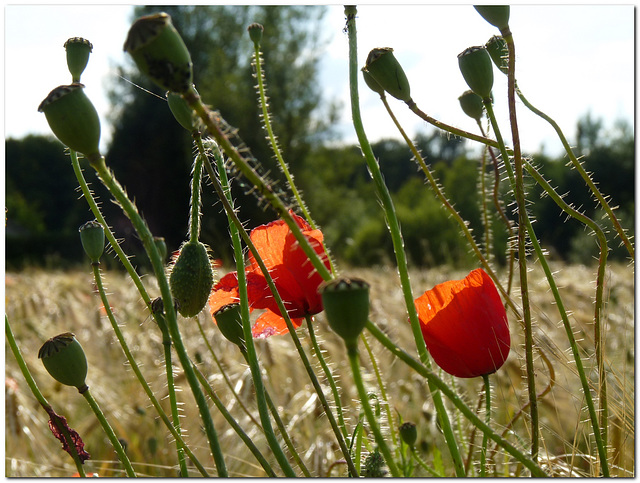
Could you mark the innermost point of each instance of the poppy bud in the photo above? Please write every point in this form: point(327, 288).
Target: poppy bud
point(229, 321)
point(387, 72)
point(73, 119)
point(496, 15)
point(499, 53)
point(78, 51)
point(477, 70)
point(371, 82)
point(255, 32)
point(181, 111)
point(63, 358)
point(92, 238)
point(159, 52)
point(346, 305)
point(191, 278)
point(472, 105)
point(408, 433)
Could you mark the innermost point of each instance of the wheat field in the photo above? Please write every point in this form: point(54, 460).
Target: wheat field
point(41, 304)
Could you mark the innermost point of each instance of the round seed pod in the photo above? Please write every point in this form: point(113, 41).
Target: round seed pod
point(181, 111)
point(499, 53)
point(472, 105)
point(229, 321)
point(496, 15)
point(191, 279)
point(73, 119)
point(159, 52)
point(371, 82)
point(408, 433)
point(477, 70)
point(255, 32)
point(92, 238)
point(388, 73)
point(63, 358)
point(78, 51)
point(346, 305)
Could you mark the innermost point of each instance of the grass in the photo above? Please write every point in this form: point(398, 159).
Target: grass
point(40, 304)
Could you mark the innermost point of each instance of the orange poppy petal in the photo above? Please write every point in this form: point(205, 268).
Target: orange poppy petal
point(224, 292)
point(465, 326)
point(271, 323)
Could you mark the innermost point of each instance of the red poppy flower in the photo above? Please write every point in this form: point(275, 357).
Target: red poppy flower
point(293, 274)
point(464, 325)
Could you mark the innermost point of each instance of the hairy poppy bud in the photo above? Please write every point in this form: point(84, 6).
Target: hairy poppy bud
point(477, 70)
point(387, 72)
point(499, 53)
point(255, 32)
point(78, 51)
point(472, 105)
point(346, 305)
point(159, 52)
point(229, 321)
point(92, 238)
point(73, 119)
point(181, 111)
point(496, 15)
point(408, 433)
point(63, 358)
point(191, 278)
point(371, 82)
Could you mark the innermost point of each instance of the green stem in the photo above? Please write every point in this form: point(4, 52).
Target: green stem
point(536, 471)
point(122, 456)
point(424, 465)
point(352, 351)
point(146, 237)
point(394, 229)
point(487, 416)
point(11, 341)
point(237, 230)
point(194, 226)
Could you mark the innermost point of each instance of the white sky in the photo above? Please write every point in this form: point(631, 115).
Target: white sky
point(571, 59)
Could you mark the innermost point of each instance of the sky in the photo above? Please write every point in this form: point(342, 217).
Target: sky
point(571, 60)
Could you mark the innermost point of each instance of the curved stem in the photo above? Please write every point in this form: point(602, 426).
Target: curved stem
point(194, 225)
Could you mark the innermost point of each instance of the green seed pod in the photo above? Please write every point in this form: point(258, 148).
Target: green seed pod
point(182, 112)
point(477, 70)
point(371, 82)
point(78, 51)
point(387, 71)
point(496, 15)
point(499, 53)
point(191, 279)
point(255, 32)
point(63, 358)
point(408, 433)
point(92, 238)
point(229, 321)
point(346, 305)
point(159, 52)
point(73, 119)
point(472, 105)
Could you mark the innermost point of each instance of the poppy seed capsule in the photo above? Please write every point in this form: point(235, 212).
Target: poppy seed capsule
point(371, 82)
point(159, 52)
point(181, 111)
point(255, 32)
point(73, 119)
point(408, 433)
point(78, 51)
point(472, 105)
point(229, 321)
point(346, 305)
point(63, 358)
point(499, 53)
point(191, 279)
point(387, 72)
point(477, 70)
point(496, 15)
point(92, 238)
